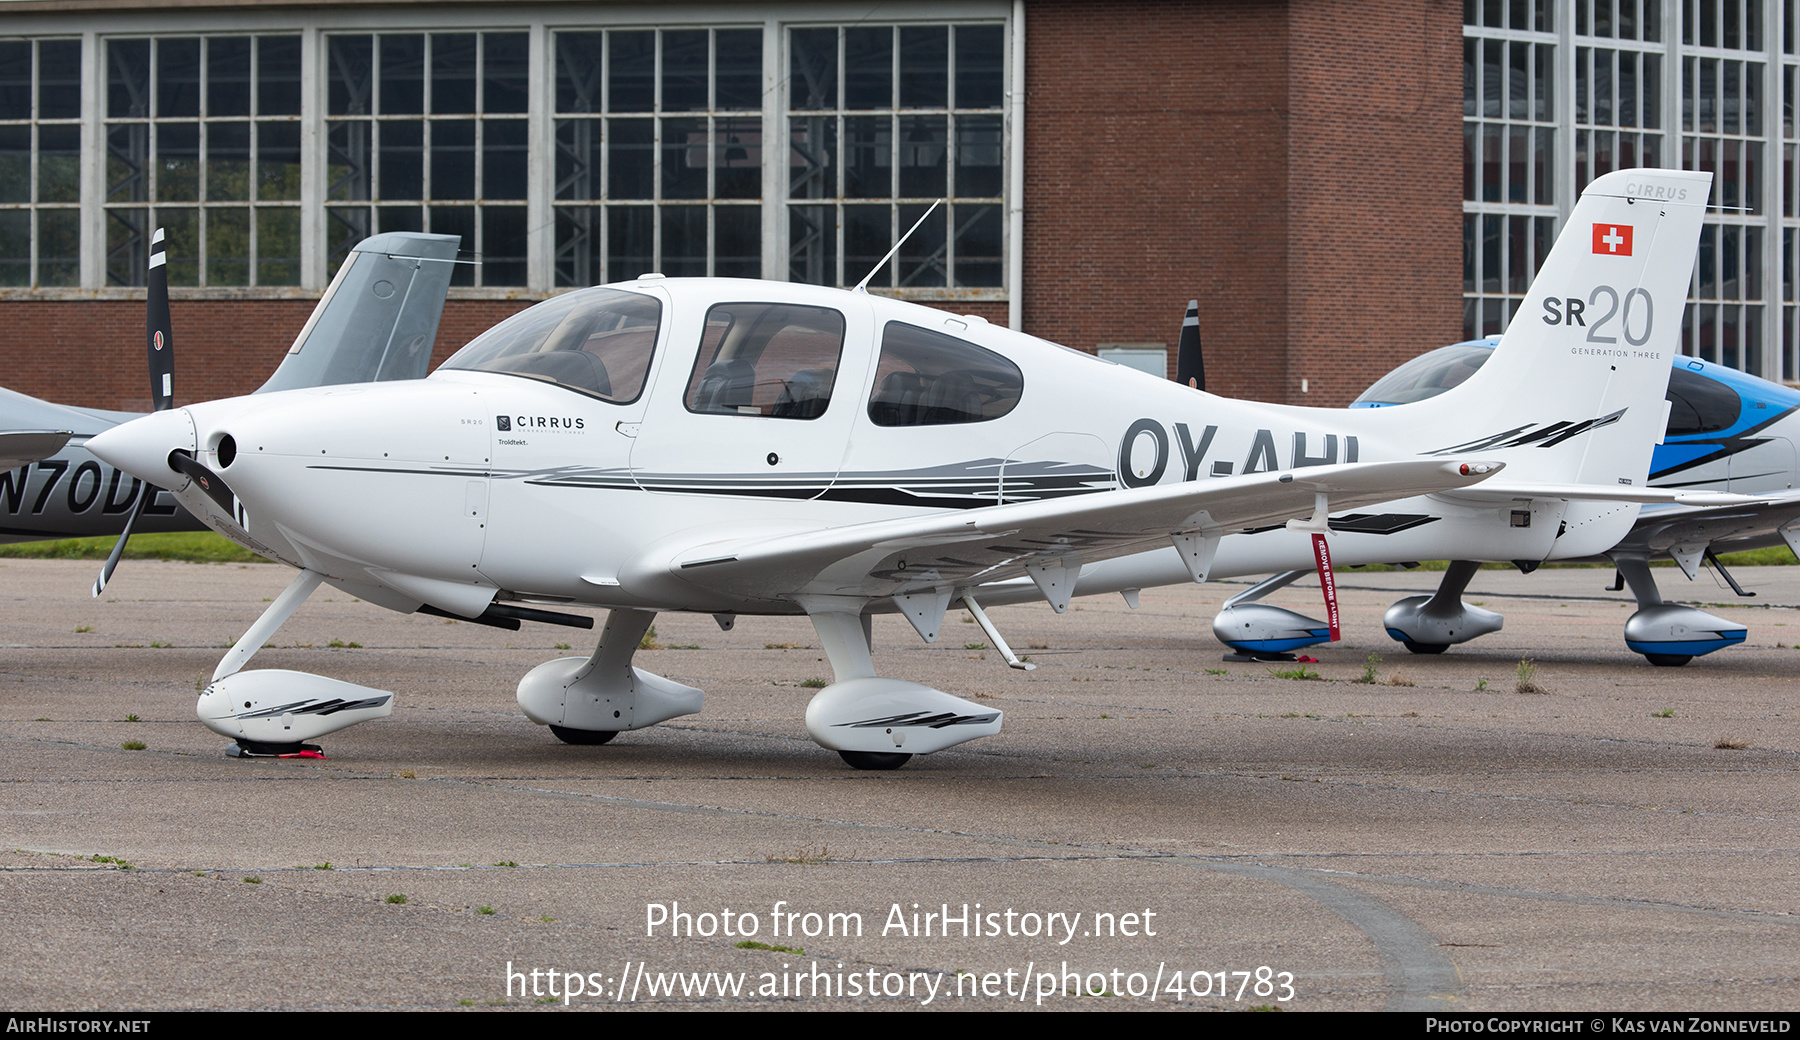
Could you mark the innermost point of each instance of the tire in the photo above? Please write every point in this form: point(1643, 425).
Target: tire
point(589, 737)
point(874, 759)
point(1425, 648)
point(1668, 660)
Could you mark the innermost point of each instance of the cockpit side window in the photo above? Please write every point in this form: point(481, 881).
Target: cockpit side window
point(1700, 405)
point(597, 342)
point(772, 359)
point(930, 379)
point(1428, 375)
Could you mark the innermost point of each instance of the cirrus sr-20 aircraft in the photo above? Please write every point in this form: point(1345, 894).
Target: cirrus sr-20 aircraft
point(1727, 431)
point(744, 447)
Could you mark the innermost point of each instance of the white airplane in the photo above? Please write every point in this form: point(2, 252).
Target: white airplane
point(740, 447)
point(376, 321)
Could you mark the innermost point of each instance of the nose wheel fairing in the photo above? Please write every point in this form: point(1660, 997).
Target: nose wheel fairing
point(274, 711)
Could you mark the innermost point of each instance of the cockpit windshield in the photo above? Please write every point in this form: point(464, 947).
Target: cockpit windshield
point(1427, 375)
point(596, 342)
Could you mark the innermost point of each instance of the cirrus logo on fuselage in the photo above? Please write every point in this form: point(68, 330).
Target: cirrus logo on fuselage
point(539, 423)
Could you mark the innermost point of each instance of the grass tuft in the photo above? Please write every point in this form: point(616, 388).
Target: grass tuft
point(751, 944)
point(1527, 678)
point(1301, 672)
point(134, 745)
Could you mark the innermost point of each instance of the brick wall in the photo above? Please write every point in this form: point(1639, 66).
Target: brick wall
point(92, 353)
point(1374, 191)
point(1155, 137)
point(1292, 166)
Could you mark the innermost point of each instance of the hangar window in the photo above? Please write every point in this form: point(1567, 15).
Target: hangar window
point(774, 359)
point(566, 146)
point(598, 342)
point(659, 153)
point(929, 379)
point(203, 139)
point(40, 162)
point(428, 132)
point(883, 121)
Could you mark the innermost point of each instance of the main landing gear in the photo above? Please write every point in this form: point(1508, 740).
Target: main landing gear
point(1432, 624)
point(1669, 634)
point(870, 721)
point(590, 700)
point(1263, 632)
point(874, 722)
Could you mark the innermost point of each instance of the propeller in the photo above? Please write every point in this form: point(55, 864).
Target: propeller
point(1190, 369)
point(209, 482)
point(160, 345)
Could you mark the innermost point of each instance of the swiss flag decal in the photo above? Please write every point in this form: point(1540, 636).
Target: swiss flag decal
point(1612, 239)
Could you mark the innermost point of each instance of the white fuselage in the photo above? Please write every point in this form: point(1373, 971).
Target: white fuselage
point(451, 487)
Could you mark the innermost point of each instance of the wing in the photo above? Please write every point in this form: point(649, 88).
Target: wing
point(20, 447)
point(1499, 491)
point(1047, 540)
point(1685, 532)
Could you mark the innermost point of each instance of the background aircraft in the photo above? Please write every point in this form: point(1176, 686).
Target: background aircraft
point(1726, 431)
point(726, 446)
point(376, 321)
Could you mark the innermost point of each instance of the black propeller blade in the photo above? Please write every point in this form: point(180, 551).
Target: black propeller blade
point(158, 333)
point(118, 549)
point(1190, 369)
point(159, 343)
point(208, 481)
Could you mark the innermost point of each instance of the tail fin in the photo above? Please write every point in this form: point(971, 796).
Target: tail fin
point(378, 319)
point(1574, 393)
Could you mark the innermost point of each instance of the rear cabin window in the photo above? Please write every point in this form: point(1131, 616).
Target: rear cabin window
point(596, 342)
point(772, 359)
point(930, 379)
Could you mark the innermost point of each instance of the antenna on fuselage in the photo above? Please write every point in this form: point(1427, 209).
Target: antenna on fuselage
point(863, 286)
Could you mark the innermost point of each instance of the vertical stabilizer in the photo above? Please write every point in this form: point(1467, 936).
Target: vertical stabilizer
point(379, 318)
point(1574, 392)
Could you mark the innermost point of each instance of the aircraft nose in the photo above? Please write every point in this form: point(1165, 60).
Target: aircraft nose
point(141, 447)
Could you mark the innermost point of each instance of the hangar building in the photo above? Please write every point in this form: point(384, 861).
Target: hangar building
point(1295, 166)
